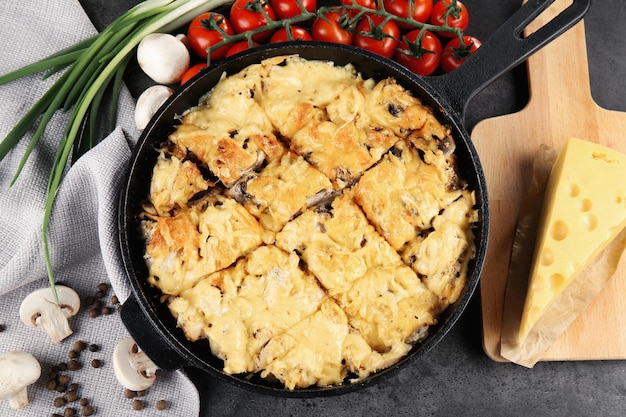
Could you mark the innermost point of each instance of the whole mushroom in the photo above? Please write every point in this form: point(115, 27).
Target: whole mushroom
point(18, 370)
point(163, 57)
point(149, 102)
point(133, 369)
point(39, 309)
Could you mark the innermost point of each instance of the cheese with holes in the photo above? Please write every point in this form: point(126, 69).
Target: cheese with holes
point(584, 209)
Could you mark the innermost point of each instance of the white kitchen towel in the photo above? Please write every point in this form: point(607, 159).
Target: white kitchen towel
point(82, 233)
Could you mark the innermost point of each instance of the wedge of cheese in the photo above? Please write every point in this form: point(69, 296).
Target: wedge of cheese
point(584, 209)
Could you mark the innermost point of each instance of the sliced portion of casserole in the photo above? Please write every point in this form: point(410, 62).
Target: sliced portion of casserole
point(283, 189)
point(230, 133)
point(194, 243)
point(337, 244)
point(242, 308)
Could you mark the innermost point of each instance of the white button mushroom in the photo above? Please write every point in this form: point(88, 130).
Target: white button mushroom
point(149, 102)
point(163, 57)
point(18, 370)
point(133, 369)
point(39, 309)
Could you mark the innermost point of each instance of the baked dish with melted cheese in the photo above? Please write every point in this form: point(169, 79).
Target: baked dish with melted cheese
point(309, 223)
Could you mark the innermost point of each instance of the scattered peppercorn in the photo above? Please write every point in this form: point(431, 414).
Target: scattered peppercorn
point(59, 402)
point(51, 384)
point(142, 393)
point(1, 328)
point(60, 388)
point(73, 365)
point(129, 393)
point(94, 312)
point(137, 405)
point(84, 401)
point(87, 410)
point(79, 346)
point(106, 310)
point(63, 379)
point(162, 405)
point(103, 286)
point(115, 300)
point(94, 348)
point(73, 386)
point(72, 354)
point(69, 412)
point(71, 396)
point(96, 363)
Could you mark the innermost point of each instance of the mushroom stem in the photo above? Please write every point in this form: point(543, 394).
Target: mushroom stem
point(142, 364)
point(19, 400)
point(54, 321)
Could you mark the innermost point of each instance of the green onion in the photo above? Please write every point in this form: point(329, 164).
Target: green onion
point(91, 67)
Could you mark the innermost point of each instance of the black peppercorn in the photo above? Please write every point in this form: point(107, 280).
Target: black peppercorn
point(162, 405)
point(138, 405)
point(87, 410)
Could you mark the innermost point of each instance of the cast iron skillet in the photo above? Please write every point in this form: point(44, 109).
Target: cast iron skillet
point(150, 322)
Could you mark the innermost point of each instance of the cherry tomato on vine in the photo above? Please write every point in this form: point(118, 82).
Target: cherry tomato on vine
point(240, 46)
point(455, 53)
point(376, 35)
point(458, 16)
point(193, 71)
point(420, 10)
point(246, 15)
point(421, 58)
point(201, 36)
point(328, 28)
point(286, 9)
point(297, 33)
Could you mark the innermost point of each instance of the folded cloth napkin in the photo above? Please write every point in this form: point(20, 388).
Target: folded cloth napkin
point(82, 234)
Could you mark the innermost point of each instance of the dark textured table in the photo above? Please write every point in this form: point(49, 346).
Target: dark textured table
point(457, 378)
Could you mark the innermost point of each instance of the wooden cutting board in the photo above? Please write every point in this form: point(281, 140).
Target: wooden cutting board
point(560, 106)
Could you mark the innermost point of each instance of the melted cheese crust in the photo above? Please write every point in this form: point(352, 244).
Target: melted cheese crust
point(308, 222)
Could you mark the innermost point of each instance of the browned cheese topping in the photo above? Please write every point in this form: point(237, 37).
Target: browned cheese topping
point(308, 222)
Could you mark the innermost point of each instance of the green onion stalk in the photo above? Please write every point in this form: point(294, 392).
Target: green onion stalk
point(92, 67)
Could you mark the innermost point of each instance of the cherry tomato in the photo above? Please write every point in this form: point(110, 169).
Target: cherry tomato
point(377, 36)
point(286, 9)
point(420, 10)
point(297, 34)
point(245, 16)
point(328, 27)
point(201, 36)
point(454, 54)
point(193, 71)
point(422, 59)
point(458, 16)
point(239, 47)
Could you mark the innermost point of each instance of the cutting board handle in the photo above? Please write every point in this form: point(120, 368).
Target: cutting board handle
point(505, 49)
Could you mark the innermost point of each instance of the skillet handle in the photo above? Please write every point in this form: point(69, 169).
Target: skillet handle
point(144, 334)
point(505, 49)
